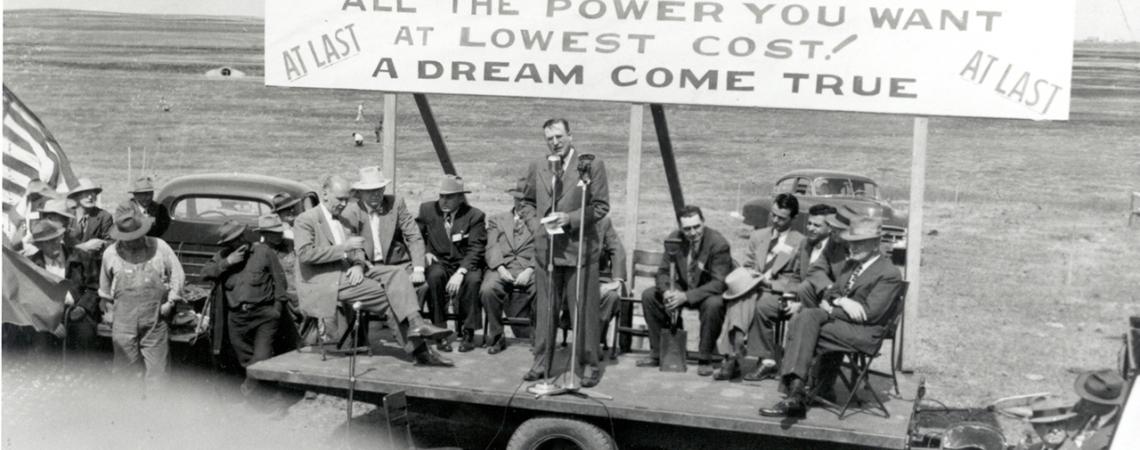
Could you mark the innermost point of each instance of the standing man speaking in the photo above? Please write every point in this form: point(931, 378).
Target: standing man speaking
point(553, 200)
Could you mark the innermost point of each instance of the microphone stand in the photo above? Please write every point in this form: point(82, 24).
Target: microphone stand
point(547, 386)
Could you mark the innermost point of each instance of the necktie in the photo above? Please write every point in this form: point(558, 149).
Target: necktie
point(851, 281)
point(518, 227)
point(771, 252)
point(447, 223)
point(83, 226)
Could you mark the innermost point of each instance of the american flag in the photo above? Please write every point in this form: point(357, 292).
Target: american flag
point(30, 153)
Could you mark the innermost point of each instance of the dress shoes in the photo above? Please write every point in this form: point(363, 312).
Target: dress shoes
point(763, 372)
point(705, 368)
point(728, 370)
point(649, 362)
point(427, 357)
point(424, 330)
point(592, 378)
point(791, 407)
point(498, 344)
point(467, 342)
point(444, 346)
point(532, 375)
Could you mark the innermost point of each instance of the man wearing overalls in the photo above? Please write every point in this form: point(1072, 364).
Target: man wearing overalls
point(142, 278)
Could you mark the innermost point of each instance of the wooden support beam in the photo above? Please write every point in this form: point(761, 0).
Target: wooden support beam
point(666, 145)
point(633, 182)
point(434, 134)
point(914, 244)
point(389, 141)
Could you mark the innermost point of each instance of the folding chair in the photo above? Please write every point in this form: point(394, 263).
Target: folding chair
point(859, 363)
point(645, 265)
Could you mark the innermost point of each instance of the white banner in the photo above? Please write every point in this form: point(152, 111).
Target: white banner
point(984, 58)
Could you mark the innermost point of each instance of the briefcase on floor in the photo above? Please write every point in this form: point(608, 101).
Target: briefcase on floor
point(672, 345)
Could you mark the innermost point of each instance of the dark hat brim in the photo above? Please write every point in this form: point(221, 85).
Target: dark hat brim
point(232, 235)
point(1083, 392)
point(120, 235)
point(55, 234)
point(286, 205)
point(273, 229)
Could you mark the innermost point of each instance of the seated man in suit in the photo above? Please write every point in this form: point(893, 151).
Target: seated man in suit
point(455, 236)
point(612, 268)
point(819, 266)
point(854, 314)
point(510, 263)
point(702, 262)
point(332, 269)
point(770, 256)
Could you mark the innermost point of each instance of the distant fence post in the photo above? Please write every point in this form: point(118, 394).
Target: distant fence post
point(1132, 210)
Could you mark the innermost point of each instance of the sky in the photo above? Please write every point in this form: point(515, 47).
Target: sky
point(1107, 20)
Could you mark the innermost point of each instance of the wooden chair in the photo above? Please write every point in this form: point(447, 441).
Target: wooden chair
point(645, 265)
point(858, 363)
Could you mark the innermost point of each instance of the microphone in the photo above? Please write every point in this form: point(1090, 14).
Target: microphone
point(554, 162)
point(584, 162)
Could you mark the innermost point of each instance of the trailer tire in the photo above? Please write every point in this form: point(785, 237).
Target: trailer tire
point(536, 433)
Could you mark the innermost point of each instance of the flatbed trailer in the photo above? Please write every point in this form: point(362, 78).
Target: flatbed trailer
point(677, 405)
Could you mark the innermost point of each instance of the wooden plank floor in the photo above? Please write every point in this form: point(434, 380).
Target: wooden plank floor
point(640, 394)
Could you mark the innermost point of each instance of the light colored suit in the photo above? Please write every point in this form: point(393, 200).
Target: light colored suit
point(762, 309)
point(321, 264)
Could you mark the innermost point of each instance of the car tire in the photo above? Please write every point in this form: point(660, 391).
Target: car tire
point(541, 432)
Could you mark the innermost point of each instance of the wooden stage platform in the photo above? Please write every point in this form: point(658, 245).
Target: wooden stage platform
point(640, 394)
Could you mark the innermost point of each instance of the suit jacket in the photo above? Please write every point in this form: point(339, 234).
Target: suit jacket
point(465, 245)
point(784, 277)
point(825, 270)
point(702, 276)
point(539, 200)
point(504, 249)
point(400, 237)
point(320, 264)
point(611, 265)
point(874, 289)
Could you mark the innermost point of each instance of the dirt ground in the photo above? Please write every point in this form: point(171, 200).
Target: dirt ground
point(1029, 267)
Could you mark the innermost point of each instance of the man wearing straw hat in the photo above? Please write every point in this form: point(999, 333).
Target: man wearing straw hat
point(510, 258)
point(252, 285)
point(330, 271)
point(142, 197)
point(854, 312)
point(142, 278)
point(455, 237)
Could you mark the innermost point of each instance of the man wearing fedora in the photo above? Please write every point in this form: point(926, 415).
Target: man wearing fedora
point(700, 265)
point(142, 196)
point(455, 237)
point(770, 256)
point(510, 260)
point(81, 304)
point(331, 270)
point(822, 264)
point(854, 313)
point(1091, 422)
point(142, 278)
point(287, 207)
point(561, 219)
point(249, 287)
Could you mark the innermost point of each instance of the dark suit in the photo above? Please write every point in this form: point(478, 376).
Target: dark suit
point(509, 244)
point(814, 329)
point(94, 226)
point(463, 248)
point(702, 280)
point(816, 276)
point(611, 266)
point(539, 201)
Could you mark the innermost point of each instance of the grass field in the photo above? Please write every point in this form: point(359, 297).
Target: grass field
point(1029, 267)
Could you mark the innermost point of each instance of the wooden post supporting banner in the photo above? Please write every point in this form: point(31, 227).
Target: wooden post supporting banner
point(633, 182)
point(389, 138)
point(667, 159)
point(435, 135)
point(914, 244)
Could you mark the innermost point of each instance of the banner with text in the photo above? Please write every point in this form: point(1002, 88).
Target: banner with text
point(984, 58)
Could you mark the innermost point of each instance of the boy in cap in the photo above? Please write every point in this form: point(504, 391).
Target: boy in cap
point(142, 278)
point(142, 197)
point(252, 285)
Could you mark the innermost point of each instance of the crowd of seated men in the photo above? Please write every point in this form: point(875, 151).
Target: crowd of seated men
point(360, 249)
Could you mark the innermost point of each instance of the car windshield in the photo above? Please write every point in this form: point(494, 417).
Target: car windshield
point(844, 187)
point(220, 209)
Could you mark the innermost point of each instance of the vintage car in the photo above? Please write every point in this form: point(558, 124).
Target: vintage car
point(838, 189)
point(199, 204)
